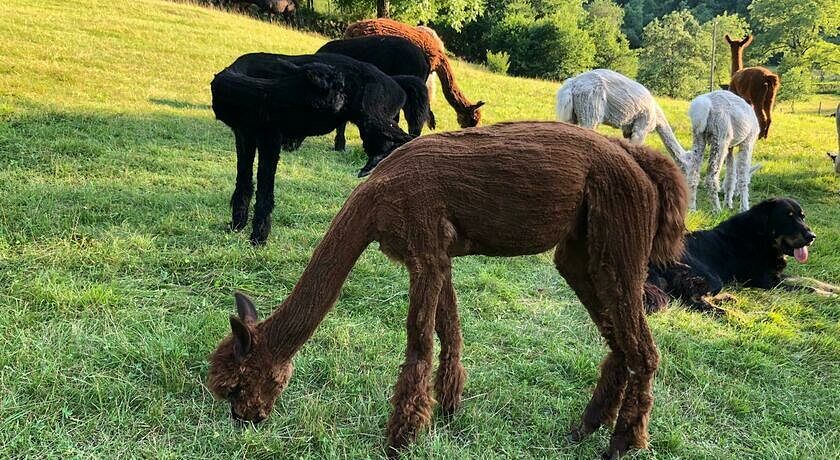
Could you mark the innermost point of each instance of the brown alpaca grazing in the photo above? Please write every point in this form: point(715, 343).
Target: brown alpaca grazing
point(757, 85)
point(608, 207)
point(468, 113)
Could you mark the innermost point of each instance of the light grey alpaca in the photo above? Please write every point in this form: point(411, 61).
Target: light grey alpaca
point(608, 97)
point(724, 121)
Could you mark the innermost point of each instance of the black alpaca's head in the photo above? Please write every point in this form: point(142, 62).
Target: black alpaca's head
point(328, 84)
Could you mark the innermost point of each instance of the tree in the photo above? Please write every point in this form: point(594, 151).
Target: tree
point(454, 13)
point(612, 49)
point(793, 27)
point(727, 24)
point(672, 61)
point(543, 45)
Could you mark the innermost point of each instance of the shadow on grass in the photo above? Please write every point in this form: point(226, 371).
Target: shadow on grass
point(175, 104)
point(162, 171)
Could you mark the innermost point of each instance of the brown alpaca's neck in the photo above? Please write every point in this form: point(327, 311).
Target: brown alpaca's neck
point(737, 60)
point(288, 328)
point(450, 89)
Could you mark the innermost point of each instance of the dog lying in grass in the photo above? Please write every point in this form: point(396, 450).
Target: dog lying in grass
point(749, 248)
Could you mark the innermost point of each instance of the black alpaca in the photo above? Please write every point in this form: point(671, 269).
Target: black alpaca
point(397, 57)
point(273, 102)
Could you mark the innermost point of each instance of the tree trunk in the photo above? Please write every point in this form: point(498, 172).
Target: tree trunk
point(382, 7)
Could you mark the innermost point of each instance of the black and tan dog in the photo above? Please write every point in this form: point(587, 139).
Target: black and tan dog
point(748, 248)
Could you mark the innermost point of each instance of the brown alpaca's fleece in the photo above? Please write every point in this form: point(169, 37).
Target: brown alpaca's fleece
point(608, 207)
point(756, 85)
point(469, 114)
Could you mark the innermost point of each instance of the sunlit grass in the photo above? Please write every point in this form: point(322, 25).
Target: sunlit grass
point(116, 273)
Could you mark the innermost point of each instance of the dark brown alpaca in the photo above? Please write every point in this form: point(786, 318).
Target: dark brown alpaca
point(608, 207)
point(468, 113)
point(757, 85)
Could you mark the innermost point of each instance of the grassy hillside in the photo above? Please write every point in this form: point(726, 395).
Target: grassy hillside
point(116, 274)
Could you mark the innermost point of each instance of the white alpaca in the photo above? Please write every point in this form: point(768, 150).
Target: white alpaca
point(608, 97)
point(724, 121)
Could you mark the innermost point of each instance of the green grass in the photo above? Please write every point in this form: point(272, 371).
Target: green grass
point(116, 274)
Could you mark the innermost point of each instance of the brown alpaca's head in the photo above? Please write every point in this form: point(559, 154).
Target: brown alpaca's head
point(243, 371)
point(470, 116)
point(736, 45)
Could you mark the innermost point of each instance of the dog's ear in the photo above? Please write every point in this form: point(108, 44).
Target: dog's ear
point(758, 216)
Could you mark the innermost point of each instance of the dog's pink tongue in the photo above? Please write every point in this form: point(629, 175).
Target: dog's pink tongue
point(801, 254)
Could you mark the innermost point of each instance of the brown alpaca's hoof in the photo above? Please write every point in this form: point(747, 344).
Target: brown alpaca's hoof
point(579, 433)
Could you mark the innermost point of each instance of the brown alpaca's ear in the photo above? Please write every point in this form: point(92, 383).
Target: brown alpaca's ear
point(747, 40)
point(245, 308)
point(728, 38)
point(478, 104)
point(241, 338)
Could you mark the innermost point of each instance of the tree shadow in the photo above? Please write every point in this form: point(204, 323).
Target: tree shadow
point(175, 104)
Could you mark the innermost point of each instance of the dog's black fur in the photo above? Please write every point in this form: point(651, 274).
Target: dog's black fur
point(747, 248)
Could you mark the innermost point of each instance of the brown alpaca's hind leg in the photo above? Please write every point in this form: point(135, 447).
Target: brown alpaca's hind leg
point(620, 292)
point(411, 400)
point(450, 377)
point(642, 360)
point(602, 409)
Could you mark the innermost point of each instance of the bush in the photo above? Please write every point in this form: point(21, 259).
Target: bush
point(673, 61)
point(498, 62)
point(551, 47)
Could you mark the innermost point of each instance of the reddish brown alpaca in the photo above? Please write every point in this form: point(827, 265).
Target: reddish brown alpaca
point(468, 113)
point(608, 207)
point(757, 85)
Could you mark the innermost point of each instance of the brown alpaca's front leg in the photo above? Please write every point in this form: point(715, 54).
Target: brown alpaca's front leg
point(411, 400)
point(450, 377)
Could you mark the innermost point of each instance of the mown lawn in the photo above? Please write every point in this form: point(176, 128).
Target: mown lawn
point(116, 274)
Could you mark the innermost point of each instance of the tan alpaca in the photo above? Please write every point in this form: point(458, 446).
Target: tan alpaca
point(468, 113)
point(606, 206)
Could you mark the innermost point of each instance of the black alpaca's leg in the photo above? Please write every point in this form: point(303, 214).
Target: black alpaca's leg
point(241, 200)
point(340, 140)
point(269, 147)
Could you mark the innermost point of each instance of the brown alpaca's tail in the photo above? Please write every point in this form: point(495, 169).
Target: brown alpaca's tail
point(771, 86)
point(673, 202)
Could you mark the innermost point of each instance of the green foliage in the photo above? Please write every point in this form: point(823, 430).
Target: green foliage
point(454, 13)
point(672, 61)
point(793, 27)
point(733, 25)
point(797, 80)
point(552, 46)
point(639, 13)
point(612, 49)
point(498, 62)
